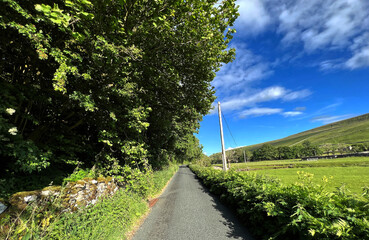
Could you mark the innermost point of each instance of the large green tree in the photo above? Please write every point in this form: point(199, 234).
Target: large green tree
point(107, 83)
point(265, 152)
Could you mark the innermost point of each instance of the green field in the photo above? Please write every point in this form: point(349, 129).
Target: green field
point(354, 178)
point(353, 172)
point(298, 163)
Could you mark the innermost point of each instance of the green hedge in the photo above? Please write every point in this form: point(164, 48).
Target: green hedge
point(272, 210)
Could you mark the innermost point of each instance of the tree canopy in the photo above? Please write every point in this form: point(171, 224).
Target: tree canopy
point(107, 83)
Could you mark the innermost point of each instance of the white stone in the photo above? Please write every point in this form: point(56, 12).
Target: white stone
point(101, 187)
point(80, 197)
point(30, 198)
point(2, 207)
point(46, 193)
point(94, 181)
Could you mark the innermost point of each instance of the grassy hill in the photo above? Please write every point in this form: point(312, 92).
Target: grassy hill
point(349, 131)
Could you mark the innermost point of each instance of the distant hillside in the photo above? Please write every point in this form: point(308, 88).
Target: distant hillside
point(353, 130)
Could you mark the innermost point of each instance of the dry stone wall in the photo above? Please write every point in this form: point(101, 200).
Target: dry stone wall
point(69, 198)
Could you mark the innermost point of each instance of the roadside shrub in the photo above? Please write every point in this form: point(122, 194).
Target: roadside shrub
point(79, 174)
point(110, 218)
point(305, 210)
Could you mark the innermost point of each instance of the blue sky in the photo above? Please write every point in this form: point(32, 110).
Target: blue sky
point(299, 64)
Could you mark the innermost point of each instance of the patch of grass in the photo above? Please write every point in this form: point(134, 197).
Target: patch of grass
point(110, 218)
point(352, 172)
point(161, 178)
point(354, 178)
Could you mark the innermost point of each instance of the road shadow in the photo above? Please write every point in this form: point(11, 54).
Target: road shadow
point(236, 229)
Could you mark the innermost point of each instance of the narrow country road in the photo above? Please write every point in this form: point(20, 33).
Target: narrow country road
point(186, 210)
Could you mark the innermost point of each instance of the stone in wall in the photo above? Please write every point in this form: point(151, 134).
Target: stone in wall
point(3, 207)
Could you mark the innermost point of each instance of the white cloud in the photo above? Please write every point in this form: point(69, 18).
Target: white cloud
point(245, 69)
point(265, 95)
point(297, 95)
point(243, 100)
point(253, 18)
point(328, 25)
point(291, 113)
point(328, 65)
point(324, 111)
point(256, 112)
point(359, 59)
point(331, 119)
point(329, 108)
point(318, 25)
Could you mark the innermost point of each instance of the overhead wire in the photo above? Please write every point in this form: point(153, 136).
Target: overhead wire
point(229, 130)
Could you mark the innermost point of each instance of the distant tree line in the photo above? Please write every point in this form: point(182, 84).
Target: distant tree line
point(305, 149)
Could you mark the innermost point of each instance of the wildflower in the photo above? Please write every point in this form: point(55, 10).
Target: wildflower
point(10, 111)
point(13, 131)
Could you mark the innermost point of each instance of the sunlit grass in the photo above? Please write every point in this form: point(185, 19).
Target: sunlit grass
point(354, 178)
point(353, 172)
point(297, 163)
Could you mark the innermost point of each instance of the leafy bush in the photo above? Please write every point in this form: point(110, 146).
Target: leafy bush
point(299, 211)
point(79, 174)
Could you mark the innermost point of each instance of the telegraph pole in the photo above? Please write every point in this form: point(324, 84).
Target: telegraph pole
point(222, 140)
point(244, 155)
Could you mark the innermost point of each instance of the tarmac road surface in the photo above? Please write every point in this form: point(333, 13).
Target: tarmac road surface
point(186, 210)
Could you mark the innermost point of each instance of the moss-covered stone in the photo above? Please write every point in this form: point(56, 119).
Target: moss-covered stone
point(81, 193)
point(109, 179)
point(52, 188)
point(101, 179)
point(19, 199)
point(82, 182)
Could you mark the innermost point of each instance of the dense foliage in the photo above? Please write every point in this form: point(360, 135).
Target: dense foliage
point(110, 218)
point(107, 84)
point(306, 210)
